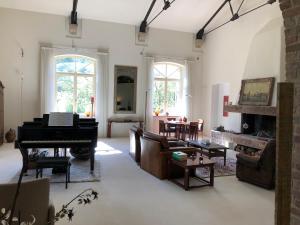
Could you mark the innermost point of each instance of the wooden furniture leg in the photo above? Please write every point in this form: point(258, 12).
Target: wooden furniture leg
point(212, 175)
point(108, 133)
point(225, 152)
point(92, 159)
point(186, 179)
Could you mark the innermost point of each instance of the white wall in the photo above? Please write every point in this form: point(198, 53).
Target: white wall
point(28, 30)
point(250, 47)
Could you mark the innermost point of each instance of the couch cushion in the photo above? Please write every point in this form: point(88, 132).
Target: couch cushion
point(248, 161)
point(162, 139)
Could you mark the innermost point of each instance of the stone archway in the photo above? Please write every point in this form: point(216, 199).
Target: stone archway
point(288, 189)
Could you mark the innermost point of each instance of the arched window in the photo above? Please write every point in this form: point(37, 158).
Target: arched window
point(167, 88)
point(75, 83)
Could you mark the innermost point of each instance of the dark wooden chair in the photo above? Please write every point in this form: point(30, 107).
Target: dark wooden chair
point(166, 129)
point(193, 130)
point(162, 128)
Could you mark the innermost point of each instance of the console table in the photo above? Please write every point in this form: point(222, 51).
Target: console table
point(122, 120)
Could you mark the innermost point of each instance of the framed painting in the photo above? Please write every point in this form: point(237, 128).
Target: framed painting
point(257, 91)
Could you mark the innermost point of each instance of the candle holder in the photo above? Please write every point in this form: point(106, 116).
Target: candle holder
point(92, 102)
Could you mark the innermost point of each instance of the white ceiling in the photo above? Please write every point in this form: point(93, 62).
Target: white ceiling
point(183, 15)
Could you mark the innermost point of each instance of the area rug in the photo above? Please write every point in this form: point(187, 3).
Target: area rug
point(80, 172)
point(220, 169)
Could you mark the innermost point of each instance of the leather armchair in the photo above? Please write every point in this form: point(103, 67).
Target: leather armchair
point(258, 169)
point(33, 200)
point(135, 145)
point(155, 152)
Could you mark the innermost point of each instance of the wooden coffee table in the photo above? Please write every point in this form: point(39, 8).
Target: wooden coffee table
point(212, 149)
point(189, 166)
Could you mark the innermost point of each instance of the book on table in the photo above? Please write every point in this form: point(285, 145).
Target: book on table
point(181, 156)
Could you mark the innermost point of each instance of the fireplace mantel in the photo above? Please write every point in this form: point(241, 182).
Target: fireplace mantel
point(251, 109)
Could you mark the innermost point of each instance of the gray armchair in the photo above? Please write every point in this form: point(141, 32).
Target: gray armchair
point(33, 200)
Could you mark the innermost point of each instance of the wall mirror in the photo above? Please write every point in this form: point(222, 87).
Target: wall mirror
point(125, 89)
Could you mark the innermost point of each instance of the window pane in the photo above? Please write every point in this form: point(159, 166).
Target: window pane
point(64, 94)
point(65, 64)
point(158, 95)
point(157, 74)
point(172, 99)
point(84, 93)
point(173, 71)
point(160, 70)
point(85, 65)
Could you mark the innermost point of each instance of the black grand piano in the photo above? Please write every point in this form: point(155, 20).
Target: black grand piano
point(38, 134)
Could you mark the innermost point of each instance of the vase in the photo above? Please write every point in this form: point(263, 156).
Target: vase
point(10, 136)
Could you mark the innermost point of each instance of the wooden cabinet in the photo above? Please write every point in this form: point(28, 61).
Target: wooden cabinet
point(1, 113)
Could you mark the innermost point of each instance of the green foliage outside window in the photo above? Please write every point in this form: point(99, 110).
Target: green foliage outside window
point(72, 70)
point(166, 88)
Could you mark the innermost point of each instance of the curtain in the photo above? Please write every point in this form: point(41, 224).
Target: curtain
point(48, 101)
point(148, 106)
point(187, 91)
point(47, 92)
point(101, 92)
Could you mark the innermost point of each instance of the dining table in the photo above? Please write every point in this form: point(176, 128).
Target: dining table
point(181, 128)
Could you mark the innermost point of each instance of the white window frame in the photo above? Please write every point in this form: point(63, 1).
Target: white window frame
point(166, 80)
point(75, 75)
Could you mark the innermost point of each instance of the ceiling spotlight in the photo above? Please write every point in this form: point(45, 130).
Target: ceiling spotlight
point(143, 26)
point(74, 24)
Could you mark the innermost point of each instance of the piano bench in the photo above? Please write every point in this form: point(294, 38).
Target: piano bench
point(60, 163)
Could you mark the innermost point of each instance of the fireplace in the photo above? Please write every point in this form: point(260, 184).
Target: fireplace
point(259, 125)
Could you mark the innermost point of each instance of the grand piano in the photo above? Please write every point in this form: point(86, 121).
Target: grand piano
point(38, 134)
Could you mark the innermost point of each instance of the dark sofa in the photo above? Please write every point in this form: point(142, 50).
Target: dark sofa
point(258, 168)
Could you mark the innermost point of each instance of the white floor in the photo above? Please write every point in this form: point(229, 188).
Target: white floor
point(128, 195)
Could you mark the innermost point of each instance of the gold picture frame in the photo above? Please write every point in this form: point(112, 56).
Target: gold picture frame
point(257, 92)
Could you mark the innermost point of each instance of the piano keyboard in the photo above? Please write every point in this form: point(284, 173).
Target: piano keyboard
point(55, 141)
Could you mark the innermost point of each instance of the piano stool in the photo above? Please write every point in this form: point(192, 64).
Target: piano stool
point(55, 163)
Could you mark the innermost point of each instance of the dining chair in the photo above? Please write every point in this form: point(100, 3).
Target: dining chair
point(201, 126)
point(193, 130)
point(171, 127)
point(162, 127)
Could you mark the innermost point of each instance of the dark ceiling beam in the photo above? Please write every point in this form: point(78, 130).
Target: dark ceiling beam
point(234, 17)
point(167, 5)
point(143, 25)
point(201, 31)
point(74, 12)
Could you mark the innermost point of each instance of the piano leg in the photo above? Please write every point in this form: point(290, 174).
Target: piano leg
point(92, 159)
point(25, 157)
point(56, 152)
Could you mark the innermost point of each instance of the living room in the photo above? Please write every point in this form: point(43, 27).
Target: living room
point(169, 69)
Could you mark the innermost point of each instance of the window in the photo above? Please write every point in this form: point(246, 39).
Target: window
point(75, 83)
point(167, 90)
